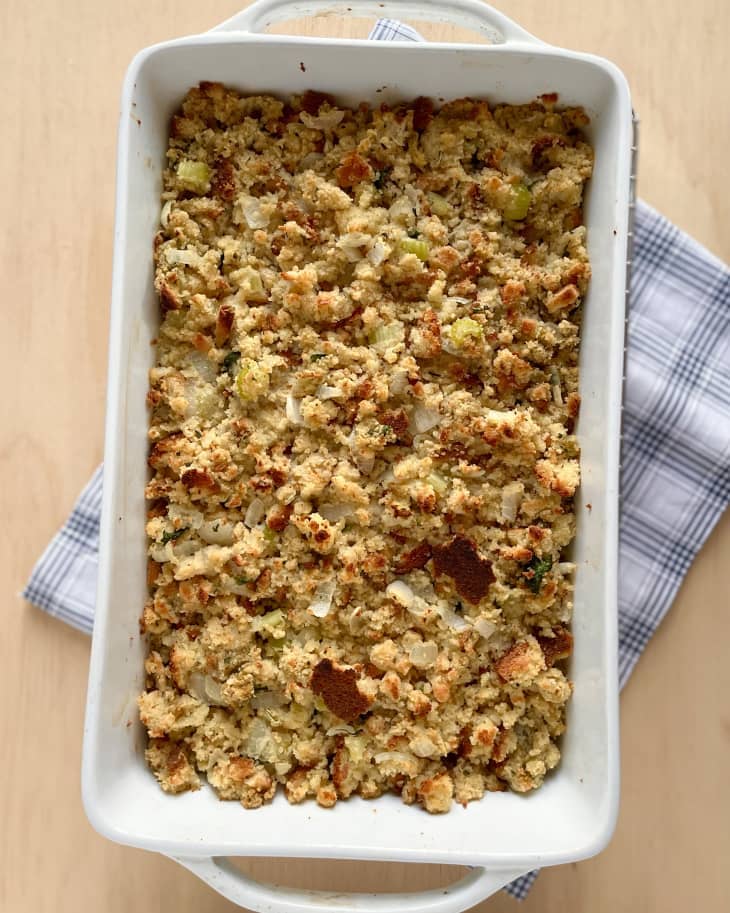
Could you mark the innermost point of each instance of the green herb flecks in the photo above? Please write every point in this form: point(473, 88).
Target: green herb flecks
point(539, 567)
point(175, 534)
point(230, 360)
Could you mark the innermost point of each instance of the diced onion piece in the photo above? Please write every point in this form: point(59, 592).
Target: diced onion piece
point(423, 419)
point(556, 388)
point(365, 462)
point(252, 380)
point(310, 160)
point(402, 211)
point(437, 482)
point(194, 176)
point(335, 512)
point(351, 244)
point(519, 203)
point(326, 392)
point(205, 688)
point(384, 756)
point(398, 383)
point(355, 745)
point(423, 655)
point(439, 205)
point(188, 516)
point(325, 120)
point(388, 335)
point(353, 239)
point(511, 497)
point(377, 253)
point(423, 747)
point(161, 553)
point(238, 589)
point(267, 700)
point(353, 254)
point(253, 212)
point(455, 621)
point(200, 363)
point(251, 286)
point(216, 532)
point(260, 743)
point(184, 548)
point(448, 346)
point(340, 729)
point(415, 246)
point(321, 605)
point(293, 410)
point(564, 568)
point(254, 513)
point(484, 627)
point(410, 191)
point(419, 608)
point(181, 257)
point(196, 686)
point(386, 478)
point(401, 592)
point(463, 329)
point(165, 214)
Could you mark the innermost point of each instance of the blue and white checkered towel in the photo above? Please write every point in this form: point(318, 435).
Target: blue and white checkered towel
point(675, 479)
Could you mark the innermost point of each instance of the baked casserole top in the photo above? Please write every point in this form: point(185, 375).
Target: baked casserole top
point(362, 446)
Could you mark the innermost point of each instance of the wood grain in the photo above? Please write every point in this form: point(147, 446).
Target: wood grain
point(63, 65)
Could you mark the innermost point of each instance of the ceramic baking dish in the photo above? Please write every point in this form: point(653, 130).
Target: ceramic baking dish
point(572, 816)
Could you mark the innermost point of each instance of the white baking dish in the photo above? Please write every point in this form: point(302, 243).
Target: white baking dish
point(572, 816)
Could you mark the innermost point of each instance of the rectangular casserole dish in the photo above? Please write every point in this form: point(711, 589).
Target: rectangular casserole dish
point(572, 816)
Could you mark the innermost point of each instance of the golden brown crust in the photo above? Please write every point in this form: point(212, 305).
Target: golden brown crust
point(338, 689)
point(471, 572)
point(559, 645)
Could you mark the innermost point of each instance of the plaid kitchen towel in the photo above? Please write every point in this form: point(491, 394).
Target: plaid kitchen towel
point(675, 479)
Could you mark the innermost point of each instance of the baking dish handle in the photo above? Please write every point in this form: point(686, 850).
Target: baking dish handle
point(261, 897)
point(470, 14)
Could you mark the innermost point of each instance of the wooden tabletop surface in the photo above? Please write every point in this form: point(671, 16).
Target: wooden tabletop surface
point(63, 65)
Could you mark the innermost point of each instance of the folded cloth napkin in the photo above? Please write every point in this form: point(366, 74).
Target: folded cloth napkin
point(675, 480)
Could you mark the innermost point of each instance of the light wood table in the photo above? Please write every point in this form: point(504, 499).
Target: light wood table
point(63, 65)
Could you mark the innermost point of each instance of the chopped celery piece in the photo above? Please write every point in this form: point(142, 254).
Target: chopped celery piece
point(270, 625)
point(439, 205)
point(194, 176)
point(251, 381)
point(519, 203)
point(414, 246)
point(269, 534)
point(464, 328)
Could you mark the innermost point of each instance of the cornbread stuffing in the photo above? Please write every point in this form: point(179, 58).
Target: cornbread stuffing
point(362, 449)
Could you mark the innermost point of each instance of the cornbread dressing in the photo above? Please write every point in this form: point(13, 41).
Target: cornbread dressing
point(362, 452)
